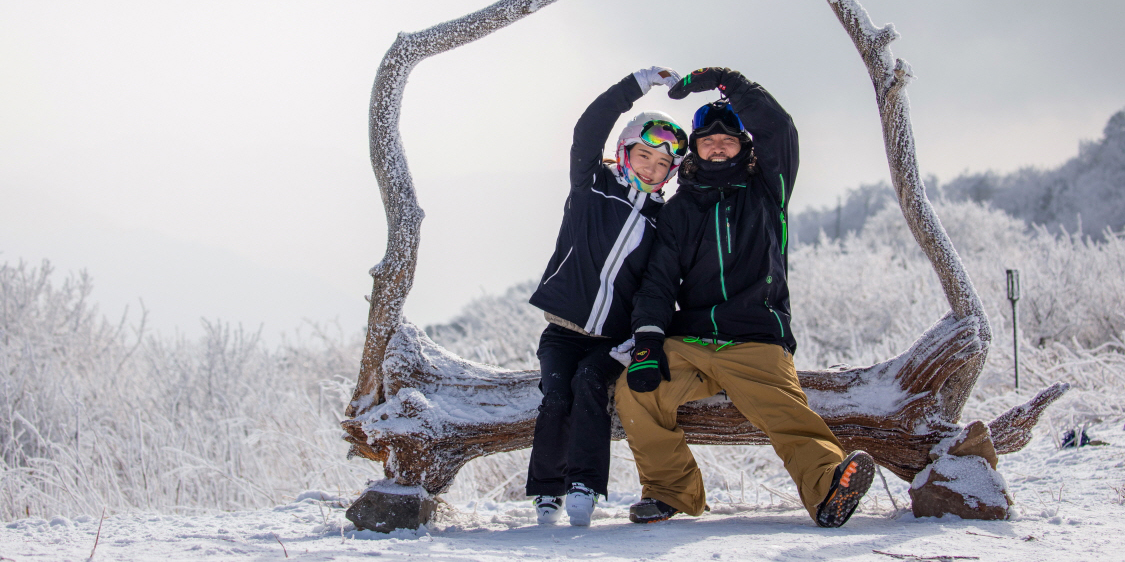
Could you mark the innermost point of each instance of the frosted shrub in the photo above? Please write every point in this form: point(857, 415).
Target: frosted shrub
point(93, 414)
point(498, 330)
point(1082, 195)
point(876, 291)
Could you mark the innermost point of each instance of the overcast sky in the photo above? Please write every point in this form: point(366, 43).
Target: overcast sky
point(210, 157)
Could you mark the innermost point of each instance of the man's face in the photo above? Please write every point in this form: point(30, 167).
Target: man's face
point(717, 147)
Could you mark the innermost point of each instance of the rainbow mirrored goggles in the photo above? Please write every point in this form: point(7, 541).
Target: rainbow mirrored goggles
point(657, 133)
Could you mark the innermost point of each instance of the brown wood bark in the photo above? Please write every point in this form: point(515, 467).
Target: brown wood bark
point(889, 77)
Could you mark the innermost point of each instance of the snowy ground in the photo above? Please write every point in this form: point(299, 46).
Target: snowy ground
point(1069, 504)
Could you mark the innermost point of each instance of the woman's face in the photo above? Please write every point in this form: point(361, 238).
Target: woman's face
point(717, 147)
point(649, 164)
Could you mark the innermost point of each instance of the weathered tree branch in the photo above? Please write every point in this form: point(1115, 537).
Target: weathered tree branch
point(394, 275)
point(889, 80)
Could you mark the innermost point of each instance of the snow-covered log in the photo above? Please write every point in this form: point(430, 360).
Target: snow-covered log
point(424, 412)
point(443, 411)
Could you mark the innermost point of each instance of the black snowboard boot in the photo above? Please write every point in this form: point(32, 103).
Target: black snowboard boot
point(850, 481)
point(649, 510)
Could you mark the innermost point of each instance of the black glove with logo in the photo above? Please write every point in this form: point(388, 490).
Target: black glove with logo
point(649, 362)
point(708, 79)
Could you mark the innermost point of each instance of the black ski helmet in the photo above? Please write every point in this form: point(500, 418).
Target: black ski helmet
point(715, 118)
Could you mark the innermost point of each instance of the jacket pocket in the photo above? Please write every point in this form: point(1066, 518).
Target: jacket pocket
point(777, 315)
point(559, 268)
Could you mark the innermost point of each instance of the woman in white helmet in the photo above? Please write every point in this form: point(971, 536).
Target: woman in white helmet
point(586, 292)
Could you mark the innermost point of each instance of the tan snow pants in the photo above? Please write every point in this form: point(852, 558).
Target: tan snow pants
point(761, 381)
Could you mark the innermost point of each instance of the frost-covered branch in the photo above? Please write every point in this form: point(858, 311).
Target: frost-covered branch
point(394, 275)
point(890, 77)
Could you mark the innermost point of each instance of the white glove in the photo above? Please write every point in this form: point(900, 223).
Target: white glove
point(623, 352)
point(648, 77)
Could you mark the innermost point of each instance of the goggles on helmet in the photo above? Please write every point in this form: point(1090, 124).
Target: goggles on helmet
point(716, 117)
point(657, 133)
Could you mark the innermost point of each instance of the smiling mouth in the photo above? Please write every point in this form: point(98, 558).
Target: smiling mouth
point(719, 159)
point(645, 180)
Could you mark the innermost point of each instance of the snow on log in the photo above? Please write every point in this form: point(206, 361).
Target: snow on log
point(443, 410)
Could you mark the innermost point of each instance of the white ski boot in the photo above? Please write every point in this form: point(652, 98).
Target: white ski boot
point(547, 510)
point(580, 502)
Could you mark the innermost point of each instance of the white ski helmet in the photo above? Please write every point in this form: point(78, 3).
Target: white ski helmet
point(657, 130)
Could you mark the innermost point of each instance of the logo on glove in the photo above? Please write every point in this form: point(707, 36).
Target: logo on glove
point(640, 356)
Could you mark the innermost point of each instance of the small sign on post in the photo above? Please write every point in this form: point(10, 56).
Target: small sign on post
point(1014, 295)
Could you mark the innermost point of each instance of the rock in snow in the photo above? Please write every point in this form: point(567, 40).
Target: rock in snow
point(962, 480)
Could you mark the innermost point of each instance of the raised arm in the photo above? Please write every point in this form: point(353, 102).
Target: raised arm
point(775, 137)
point(594, 126)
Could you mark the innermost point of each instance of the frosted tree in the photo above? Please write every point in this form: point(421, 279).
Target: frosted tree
point(1084, 195)
point(424, 412)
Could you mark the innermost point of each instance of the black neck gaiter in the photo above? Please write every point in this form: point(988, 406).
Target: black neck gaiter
point(722, 174)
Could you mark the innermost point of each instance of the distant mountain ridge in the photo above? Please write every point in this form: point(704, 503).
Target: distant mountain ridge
point(1084, 195)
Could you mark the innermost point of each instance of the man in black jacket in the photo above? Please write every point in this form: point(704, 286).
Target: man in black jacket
point(715, 286)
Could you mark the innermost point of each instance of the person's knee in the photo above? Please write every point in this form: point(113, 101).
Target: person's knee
point(556, 402)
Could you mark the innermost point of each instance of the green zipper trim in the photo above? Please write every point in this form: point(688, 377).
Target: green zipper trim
point(784, 233)
point(719, 242)
point(643, 365)
point(776, 315)
point(713, 323)
point(782, 178)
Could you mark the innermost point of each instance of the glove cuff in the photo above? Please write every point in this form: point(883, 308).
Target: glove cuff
point(641, 76)
point(733, 82)
point(645, 339)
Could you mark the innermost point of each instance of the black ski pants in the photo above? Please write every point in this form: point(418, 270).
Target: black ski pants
point(571, 442)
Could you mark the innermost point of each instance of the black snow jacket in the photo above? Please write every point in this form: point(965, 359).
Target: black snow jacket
point(721, 250)
point(607, 229)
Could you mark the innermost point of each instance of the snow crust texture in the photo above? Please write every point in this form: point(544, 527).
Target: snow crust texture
point(1066, 507)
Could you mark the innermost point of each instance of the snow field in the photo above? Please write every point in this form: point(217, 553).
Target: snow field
point(1067, 510)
